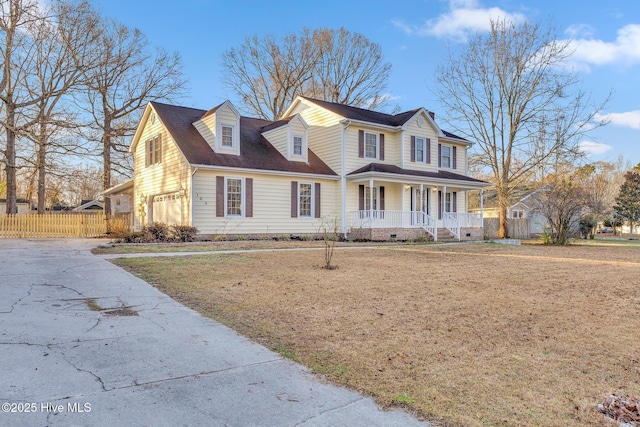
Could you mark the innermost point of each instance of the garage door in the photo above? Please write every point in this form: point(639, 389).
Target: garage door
point(166, 209)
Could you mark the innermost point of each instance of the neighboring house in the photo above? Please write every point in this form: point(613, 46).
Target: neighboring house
point(375, 175)
point(121, 196)
point(21, 204)
point(89, 205)
point(524, 207)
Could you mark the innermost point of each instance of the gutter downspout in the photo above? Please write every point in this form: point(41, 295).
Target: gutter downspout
point(191, 195)
point(343, 177)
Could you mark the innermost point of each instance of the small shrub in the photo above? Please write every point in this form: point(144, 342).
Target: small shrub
point(159, 232)
point(421, 239)
point(220, 238)
point(546, 237)
point(184, 233)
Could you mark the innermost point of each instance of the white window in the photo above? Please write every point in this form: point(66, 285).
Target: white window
point(370, 145)
point(517, 214)
point(445, 157)
point(297, 145)
point(227, 136)
point(305, 202)
point(420, 150)
point(153, 151)
point(233, 197)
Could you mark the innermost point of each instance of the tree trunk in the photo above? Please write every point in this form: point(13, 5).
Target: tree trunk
point(503, 230)
point(42, 170)
point(106, 169)
point(10, 158)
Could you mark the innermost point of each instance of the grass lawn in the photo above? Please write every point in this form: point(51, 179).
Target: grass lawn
point(462, 335)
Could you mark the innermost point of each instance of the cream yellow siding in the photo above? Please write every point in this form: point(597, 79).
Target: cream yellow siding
point(324, 134)
point(169, 177)
point(207, 128)
point(278, 138)
point(391, 147)
point(271, 205)
point(424, 130)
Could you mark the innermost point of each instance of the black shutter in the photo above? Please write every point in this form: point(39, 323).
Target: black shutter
point(381, 207)
point(219, 195)
point(439, 204)
point(248, 197)
point(294, 199)
point(361, 197)
point(413, 148)
point(454, 202)
point(382, 146)
point(439, 155)
point(428, 142)
point(454, 161)
point(317, 197)
point(361, 143)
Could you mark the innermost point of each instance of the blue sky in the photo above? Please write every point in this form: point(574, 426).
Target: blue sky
point(414, 35)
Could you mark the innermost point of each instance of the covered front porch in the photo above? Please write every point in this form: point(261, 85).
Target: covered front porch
point(395, 206)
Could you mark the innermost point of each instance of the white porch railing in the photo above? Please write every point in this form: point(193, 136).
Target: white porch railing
point(394, 219)
point(467, 220)
point(450, 223)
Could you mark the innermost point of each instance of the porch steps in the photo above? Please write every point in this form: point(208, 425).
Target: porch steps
point(445, 236)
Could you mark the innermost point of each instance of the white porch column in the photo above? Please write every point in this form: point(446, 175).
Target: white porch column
point(482, 206)
point(370, 200)
point(421, 197)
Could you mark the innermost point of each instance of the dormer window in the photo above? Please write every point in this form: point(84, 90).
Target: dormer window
point(297, 145)
point(227, 136)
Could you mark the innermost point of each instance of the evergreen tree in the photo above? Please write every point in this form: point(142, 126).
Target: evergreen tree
point(627, 207)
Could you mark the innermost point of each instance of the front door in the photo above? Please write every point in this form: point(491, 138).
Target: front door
point(419, 203)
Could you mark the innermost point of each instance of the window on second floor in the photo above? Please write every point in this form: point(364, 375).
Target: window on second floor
point(420, 150)
point(447, 156)
point(227, 136)
point(298, 142)
point(153, 151)
point(370, 145)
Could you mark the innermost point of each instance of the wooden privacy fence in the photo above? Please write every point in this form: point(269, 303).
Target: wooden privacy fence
point(53, 225)
point(519, 228)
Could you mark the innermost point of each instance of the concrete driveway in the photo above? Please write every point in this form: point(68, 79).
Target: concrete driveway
point(84, 343)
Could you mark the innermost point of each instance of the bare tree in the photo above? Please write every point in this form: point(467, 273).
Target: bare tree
point(130, 74)
point(332, 65)
point(17, 60)
point(507, 89)
point(562, 202)
point(62, 53)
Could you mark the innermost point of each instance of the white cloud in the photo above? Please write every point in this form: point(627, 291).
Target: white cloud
point(464, 16)
point(630, 119)
point(593, 148)
point(580, 30)
point(624, 50)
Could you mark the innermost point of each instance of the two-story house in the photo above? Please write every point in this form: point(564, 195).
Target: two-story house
point(378, 176)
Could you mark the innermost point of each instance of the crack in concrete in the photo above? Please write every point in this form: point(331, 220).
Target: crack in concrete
point(51, 285)
point(201, 374)
point(98, 379)
point(303, 422)
point(13, 306)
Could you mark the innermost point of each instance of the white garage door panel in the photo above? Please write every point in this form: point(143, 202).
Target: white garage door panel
point(166, 209)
